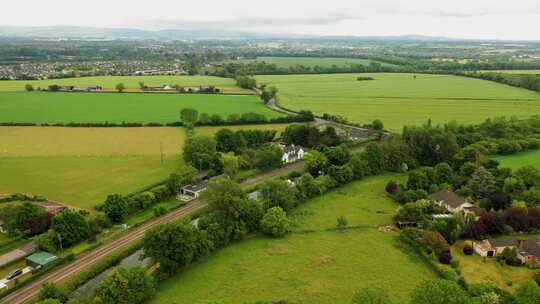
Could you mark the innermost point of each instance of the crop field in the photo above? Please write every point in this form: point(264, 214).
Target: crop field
point(321, 266)
point(81, 166)
point(131, 82)
point(401, 99)
point(313, 61)
point(516, 161)
point(47, 107)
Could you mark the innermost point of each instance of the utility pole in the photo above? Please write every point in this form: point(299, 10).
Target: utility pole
point(161, 151)
point(60, 240)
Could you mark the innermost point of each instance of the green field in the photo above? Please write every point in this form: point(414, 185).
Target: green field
point(48, 107)
point(401, 99)
point(313, 61)
point(80, 166)
point(529, 158)
point(131, 82)
point(317, 267)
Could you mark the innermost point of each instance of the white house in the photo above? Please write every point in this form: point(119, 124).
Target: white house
point(451, 201)
point(292, 153)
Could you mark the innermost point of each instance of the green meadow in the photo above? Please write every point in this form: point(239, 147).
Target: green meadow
point(48, 107)
point(402, 99)
point(81, 166)
point(516, 161)
point(131, 82)
point(314, 264)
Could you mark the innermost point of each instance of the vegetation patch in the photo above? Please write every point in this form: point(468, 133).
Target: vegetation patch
point(402, 99)
point(323, 267)
point(81, 166)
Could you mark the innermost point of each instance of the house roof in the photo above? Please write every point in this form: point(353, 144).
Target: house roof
point(197, 187)
point(41, 258)
point(503, 242)
point(532, 247)
point(448, 197)
point(476, 210)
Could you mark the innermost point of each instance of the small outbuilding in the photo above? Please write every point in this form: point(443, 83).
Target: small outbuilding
point(40, 259)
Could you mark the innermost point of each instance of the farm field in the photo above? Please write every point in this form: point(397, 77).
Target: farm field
point(313, 61)
point(529, 158)
point(131, 82)
point(46, 107)
point(81, 166)
point(401, 99)
point(322, 266)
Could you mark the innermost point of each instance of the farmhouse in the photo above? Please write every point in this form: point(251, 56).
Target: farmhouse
point(528, 250)
point(291, 153)
point(451, 201)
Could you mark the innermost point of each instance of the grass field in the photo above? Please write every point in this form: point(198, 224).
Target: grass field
point(47, 107)
point(313, 61)
point(80, 166)
point(400, 99)
point(318, 267)
point(529, 158)
point(131, 82)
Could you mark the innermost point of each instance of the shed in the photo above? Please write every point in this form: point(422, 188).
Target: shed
point(40, 259)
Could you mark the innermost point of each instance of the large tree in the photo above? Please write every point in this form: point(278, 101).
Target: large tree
point(71, 227)
point(126, 286)
point(116, 208)
point(439, 291)
point(275, 222)
point(482, 183)
point(225, 196)
point(200, 152)
point(175, 245)
point(278, 193)
point(316, 163)
point(189, 115)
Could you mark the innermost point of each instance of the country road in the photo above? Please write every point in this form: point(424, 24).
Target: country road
point(63, 273)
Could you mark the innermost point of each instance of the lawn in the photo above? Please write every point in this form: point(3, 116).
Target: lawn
point(131, 82)
point(81, 166)
point(476, 269)
point(400, 99)
point(322, 266)
point(529, 158)
point(320, 61)
point(47, 107)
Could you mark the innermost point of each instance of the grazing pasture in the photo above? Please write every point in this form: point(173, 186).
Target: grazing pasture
point(81, 166)
point(47, 107)
point(320, 61)
point(400, 99)
point(516, 161)
point(314, 264)
point(131, 82)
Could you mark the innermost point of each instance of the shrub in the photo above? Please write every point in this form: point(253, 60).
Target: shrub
point(275, 222)
point(342, 223)
point(445, 257)
point(468, 250)
point(391, 187)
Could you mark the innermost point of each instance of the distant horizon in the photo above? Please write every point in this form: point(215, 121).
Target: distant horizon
point(236, 33)
point(518, 20)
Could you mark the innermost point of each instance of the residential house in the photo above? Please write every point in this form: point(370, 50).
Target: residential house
point(451, 201)
point(292, 153)
point(528, 250)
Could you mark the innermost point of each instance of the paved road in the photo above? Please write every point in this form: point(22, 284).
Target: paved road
point(65, 272)
point(18, 253)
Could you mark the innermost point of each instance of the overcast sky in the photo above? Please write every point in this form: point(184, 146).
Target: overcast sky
point(494, 19)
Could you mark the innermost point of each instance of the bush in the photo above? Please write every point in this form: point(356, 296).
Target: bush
point(468, 250)
point(275, 222)
point(391, 187)
point(445, 257)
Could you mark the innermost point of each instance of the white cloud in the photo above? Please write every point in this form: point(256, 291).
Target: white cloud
point(519, 19)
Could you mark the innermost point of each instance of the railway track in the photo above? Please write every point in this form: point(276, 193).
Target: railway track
point(62, 273)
